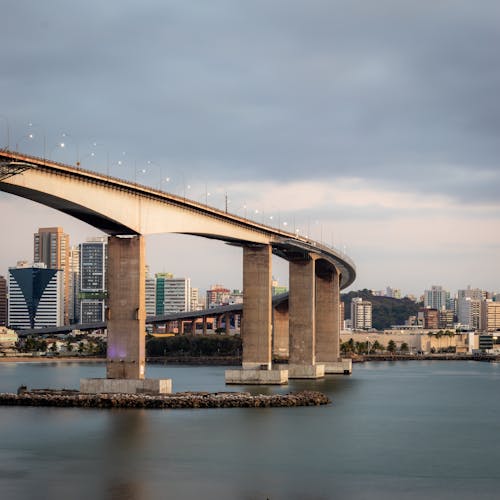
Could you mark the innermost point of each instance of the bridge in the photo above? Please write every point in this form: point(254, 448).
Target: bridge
point(128, 211)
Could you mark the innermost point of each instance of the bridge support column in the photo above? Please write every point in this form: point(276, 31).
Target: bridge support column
point(125, 364)
point(328, 323)
point(280, 331)
point(302, 324)
point(256, 329)
point(227, 319)
point(204, 325)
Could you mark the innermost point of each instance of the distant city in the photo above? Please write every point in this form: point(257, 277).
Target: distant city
point(66, 285)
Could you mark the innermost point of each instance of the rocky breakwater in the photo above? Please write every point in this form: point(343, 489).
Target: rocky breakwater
point(69, 398)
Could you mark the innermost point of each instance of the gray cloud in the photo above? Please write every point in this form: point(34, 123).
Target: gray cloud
point(403, 94)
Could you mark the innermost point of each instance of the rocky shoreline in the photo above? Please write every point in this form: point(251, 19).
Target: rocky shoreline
point(70, 398)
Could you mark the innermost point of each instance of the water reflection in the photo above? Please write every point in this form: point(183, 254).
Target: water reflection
point(126, 443)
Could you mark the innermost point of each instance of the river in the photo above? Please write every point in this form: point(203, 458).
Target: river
point(395, 430)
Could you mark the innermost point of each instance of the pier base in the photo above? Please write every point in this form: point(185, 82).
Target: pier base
point(343, 367)
point(126, 386)
point(257, 377)
point(306, 371)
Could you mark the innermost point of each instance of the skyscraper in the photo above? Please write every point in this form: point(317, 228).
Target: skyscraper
point(436, 298)
point(3, 301)
point(177, 295)
point(74, 282)
point(51, 247)
point(92, 292)
point(36, 298)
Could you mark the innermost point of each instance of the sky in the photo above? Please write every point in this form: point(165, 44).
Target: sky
point(370, 126)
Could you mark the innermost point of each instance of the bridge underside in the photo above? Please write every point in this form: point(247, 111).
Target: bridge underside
point(80, 212)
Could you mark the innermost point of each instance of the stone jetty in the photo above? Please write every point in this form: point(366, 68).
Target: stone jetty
point(70, 398)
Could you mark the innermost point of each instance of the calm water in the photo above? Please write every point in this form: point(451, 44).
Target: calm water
point(395, 431)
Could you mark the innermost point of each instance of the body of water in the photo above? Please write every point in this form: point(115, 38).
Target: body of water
point(395, 430)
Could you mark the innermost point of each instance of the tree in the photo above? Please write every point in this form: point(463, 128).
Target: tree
point(404, 347)
point(391, 346)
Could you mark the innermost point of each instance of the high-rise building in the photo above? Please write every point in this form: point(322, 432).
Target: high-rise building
point(490, 316)
point(436, 298)
point(217, 295)
point(160, 291)
point(36, 298)
point(177, 296)
point(3, 301)
point(51, 247)
point(429, 318)
point(469, 312)
point(361, 314)
point(195, 300)
point(446, 319)
point(74, 283)
point(93, 286)
point(150, 296)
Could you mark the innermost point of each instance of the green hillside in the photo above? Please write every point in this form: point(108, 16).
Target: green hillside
point(386, 311)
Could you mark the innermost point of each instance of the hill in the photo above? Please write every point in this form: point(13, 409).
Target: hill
point(386, 311)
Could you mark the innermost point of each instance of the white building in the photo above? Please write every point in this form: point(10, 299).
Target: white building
point(150, 296)
point(36, 296)
point(361, 314)
point(177, 295)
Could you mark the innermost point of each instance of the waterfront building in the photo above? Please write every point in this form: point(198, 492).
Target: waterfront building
point(150, 296)
point(160, 291)
point(469, 312)
point(74, 283)
point(177, 296)
point(3, 301)
point(217, 295)
point(490, 316)
point(361, 314)
point(446, 319)
point(51, 247)
point(428, 318)
point(36, 298)
point(92, 290)
point(436, 298)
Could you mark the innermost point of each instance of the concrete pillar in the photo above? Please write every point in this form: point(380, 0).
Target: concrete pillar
point(256, 327)
point(327, 316)
point(193, 326)
point(227, 318)
point(328, 322)
point(280, 331)
point(302, 323)
point(127, 308)
point(257, 306)
point(204, 325)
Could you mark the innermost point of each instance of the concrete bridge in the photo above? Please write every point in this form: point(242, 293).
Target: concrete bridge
point(128, 211)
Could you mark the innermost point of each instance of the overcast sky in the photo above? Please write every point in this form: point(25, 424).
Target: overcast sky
point(374, 126)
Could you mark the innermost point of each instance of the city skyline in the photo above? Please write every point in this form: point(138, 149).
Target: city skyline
point(374, 130)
